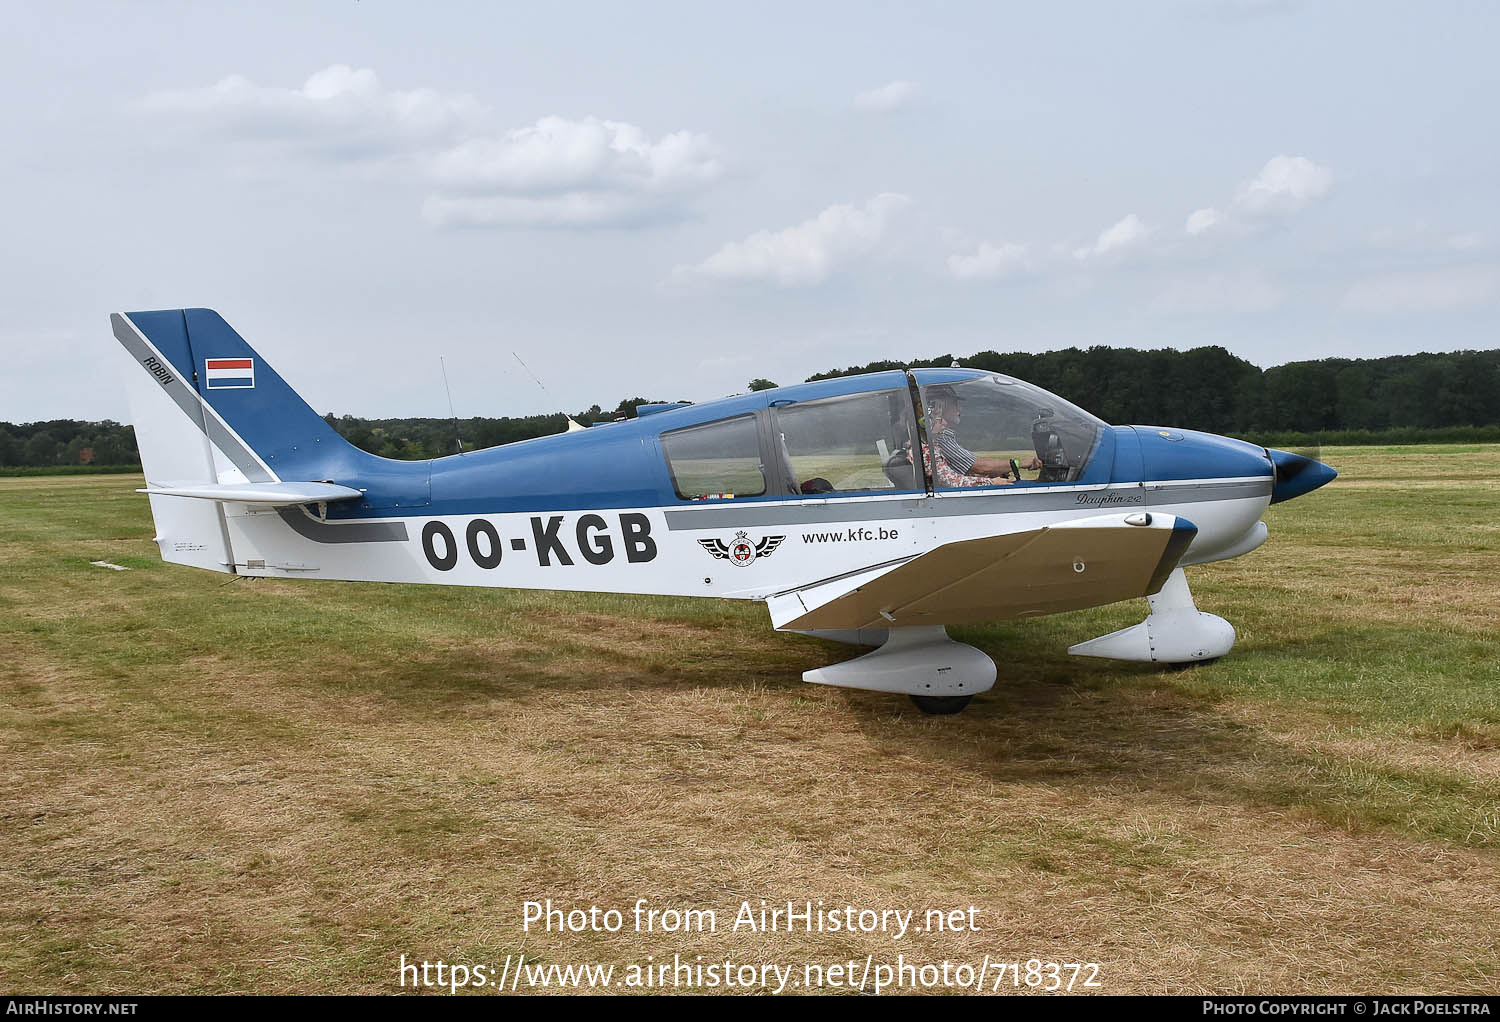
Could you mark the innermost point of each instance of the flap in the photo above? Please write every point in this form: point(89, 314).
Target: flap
point(1088, 562)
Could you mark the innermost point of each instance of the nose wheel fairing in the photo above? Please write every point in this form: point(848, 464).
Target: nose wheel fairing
point(1175, 632)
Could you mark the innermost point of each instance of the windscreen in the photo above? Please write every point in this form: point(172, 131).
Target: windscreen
point(977, 426)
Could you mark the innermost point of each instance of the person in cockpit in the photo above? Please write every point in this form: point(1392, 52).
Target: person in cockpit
point(956, 465)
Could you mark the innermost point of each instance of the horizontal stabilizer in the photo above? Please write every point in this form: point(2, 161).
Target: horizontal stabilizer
point(276, 494)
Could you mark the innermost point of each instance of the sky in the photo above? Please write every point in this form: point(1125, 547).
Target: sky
point(670, 199)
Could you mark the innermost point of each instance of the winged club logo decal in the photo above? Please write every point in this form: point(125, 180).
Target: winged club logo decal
point(741, 551)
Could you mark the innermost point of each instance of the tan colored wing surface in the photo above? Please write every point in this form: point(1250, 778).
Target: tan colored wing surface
point(1083, 563)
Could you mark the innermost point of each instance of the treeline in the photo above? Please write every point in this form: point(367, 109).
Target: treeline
point(67, 442)
point(1210, 389)
point(1399, 399)
point(88, 446)
point(415, 439)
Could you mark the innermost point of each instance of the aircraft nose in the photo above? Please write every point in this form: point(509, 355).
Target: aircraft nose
point(1296, 474)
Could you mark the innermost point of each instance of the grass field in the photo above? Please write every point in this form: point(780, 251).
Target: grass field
point(282, 786)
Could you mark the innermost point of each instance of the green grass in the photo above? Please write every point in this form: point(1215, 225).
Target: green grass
point(275, 785)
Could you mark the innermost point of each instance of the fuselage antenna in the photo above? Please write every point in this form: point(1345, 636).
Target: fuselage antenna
point(573, 425)
point(457, 440)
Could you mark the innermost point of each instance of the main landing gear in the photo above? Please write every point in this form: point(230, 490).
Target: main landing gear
point(940, 675)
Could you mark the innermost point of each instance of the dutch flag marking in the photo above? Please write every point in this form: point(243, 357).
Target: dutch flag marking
point(229, 373)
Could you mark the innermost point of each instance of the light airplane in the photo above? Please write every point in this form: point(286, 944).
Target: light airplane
point(872, 510)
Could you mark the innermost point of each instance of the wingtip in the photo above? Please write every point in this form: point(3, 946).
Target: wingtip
point(1183, 534)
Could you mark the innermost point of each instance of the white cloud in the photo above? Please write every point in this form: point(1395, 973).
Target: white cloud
point(990, 261)
point(1202, 220)
point(888, 97)
point(554, 173)
point(1284, 185)
point(560, 172)
point(807, 253)
point(1250, 291)
point(557, 154)
point(1127, 235)
point(1450, 289)
point(339, 109)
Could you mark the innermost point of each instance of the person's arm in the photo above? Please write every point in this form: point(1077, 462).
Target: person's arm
point(991, 466)
point(1001, 466)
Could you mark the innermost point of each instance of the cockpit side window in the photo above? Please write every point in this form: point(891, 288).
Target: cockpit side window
point(978, 426)
point(850, 444)
point(717, 460)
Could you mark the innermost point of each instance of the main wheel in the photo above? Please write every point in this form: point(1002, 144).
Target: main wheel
point(941, 706)
point(1186, 665)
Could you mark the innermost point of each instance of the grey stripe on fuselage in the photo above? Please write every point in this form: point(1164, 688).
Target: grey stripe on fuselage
point(1100, 499)
point(191, 404)
point(1191, 493)
point(355, 531)
point(763, 515)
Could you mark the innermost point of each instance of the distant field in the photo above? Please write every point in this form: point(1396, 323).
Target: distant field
point(283, 786)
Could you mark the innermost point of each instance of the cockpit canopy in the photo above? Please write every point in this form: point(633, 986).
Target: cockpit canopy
point(870, 441)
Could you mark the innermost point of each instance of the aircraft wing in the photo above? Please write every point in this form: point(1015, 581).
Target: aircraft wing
point(279, 494)
point(1087, 562)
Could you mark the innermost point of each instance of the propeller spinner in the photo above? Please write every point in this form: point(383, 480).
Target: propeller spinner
point(1297, 474)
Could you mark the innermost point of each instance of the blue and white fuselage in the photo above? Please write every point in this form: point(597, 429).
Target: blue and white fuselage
point(859, 507)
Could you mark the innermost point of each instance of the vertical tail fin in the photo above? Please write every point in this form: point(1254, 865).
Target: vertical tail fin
point(209, 410)
point(257, 427)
